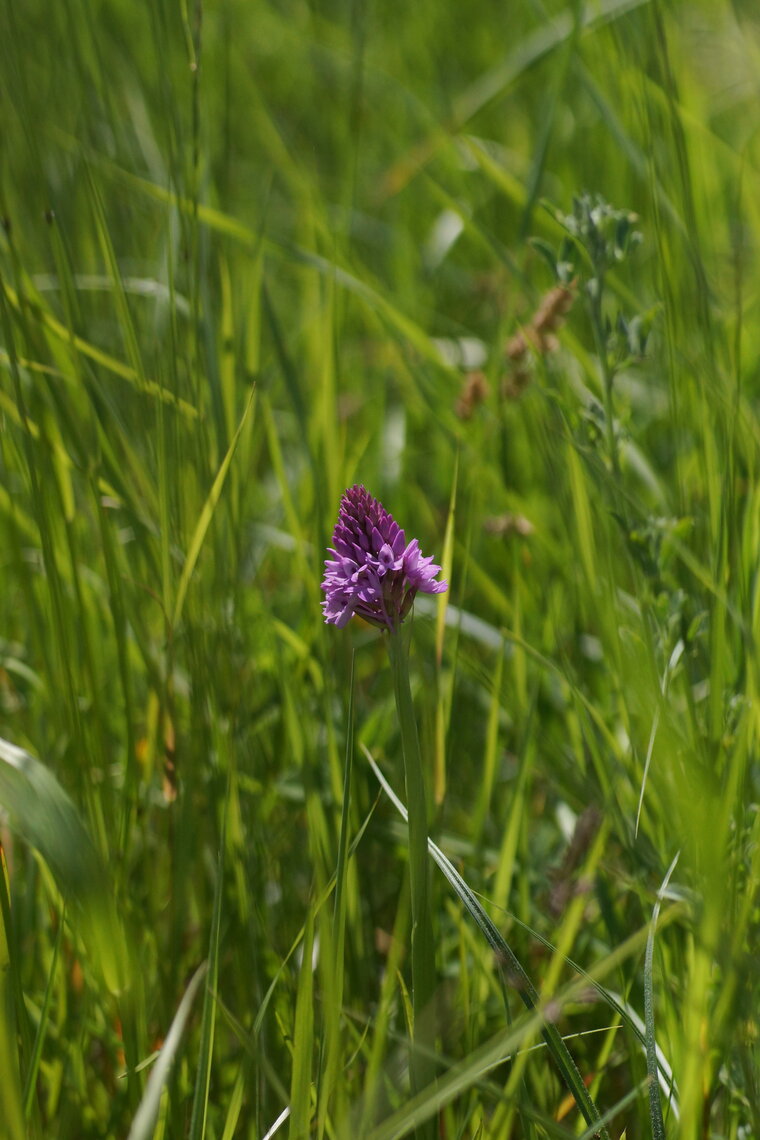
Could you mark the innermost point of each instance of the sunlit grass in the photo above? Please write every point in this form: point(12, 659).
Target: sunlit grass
point(251, 255)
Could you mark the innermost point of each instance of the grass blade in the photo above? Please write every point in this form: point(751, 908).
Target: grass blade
point(145, 1118)
point(303, 1039)
point(655, 1107)
point(486, 1057)
point(513, 971)
point(30, 1080)
point(204, 520)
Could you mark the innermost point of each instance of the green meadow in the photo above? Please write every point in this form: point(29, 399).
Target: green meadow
point(498, 264)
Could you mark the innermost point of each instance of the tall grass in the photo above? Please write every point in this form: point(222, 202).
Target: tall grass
point(250, 254)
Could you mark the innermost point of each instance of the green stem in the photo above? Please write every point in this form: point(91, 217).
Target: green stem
point(423, 944)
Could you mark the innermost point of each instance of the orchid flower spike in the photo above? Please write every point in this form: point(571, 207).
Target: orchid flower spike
point(374, 572)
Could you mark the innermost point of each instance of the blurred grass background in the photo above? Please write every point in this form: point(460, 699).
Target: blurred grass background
point(250, 254)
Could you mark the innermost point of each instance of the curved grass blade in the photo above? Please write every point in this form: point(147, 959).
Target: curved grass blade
point(42, 814)
point(611, 1113)
point(219, 222)
point(492, 85)
point(99, 356)
point(327, 890)
point(655, 1108)
point(615, 1001)
point(145, 1118)
point(623, 1008)
point(235, 1104)
point(514, 972)
point(471, 1070)
point(206, 515)
point(30, 1081)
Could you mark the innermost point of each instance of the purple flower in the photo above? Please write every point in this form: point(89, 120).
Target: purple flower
point(374, 573)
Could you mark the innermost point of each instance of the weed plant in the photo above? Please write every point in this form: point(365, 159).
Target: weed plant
point(498, 263)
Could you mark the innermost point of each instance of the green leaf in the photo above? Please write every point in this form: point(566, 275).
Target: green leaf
point(41, 812)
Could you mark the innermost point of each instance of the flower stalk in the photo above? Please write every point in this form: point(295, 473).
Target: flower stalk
point(423, 942)
point(372, 572)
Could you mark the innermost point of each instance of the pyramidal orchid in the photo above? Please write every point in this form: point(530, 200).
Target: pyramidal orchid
point(374, 572)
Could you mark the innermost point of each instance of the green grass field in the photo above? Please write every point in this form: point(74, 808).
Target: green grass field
point(498, 263)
